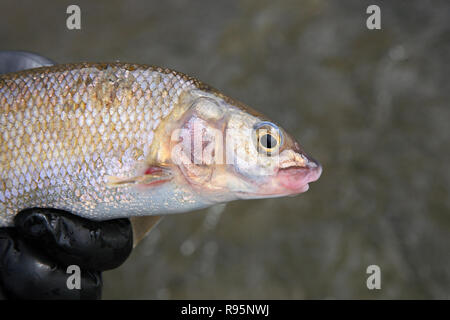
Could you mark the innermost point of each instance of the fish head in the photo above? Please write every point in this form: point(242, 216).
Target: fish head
point(226, 151)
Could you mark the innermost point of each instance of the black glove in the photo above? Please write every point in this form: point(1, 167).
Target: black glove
point(36, 252)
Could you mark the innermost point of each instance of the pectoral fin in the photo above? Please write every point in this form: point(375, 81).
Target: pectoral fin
point(152, 176)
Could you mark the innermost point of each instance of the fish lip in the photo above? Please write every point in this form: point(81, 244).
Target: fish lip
point(315, 169)
point(296, 179)
point(287, 181)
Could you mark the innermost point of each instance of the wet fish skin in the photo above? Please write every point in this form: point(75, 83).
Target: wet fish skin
point(65, 127)
point(96, 140)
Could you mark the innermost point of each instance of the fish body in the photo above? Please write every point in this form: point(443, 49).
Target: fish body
point(110, 140)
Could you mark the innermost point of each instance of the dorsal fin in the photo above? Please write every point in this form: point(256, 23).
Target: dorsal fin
point(13, 61)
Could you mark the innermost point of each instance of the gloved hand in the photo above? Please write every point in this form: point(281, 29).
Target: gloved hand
point(36, 252)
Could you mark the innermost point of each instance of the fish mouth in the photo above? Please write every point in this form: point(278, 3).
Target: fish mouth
point(288, 181)
point(294, 180)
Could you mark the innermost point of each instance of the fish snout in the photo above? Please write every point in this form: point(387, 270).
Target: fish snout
point(296, 174)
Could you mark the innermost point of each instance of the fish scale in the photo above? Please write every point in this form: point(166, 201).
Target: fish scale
point(65, 127)
point(114, 140)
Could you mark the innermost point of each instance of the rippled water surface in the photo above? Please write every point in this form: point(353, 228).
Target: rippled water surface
point(371, 106)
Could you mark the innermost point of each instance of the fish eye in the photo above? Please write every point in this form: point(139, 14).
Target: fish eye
point(268, 138)
point(268, 141)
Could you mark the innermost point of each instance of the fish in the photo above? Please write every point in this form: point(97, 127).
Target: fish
point(113, 140)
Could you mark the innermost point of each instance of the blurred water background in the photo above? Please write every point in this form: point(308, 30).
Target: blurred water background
point(371, 106)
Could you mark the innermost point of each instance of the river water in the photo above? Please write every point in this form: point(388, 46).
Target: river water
point(371, 105)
